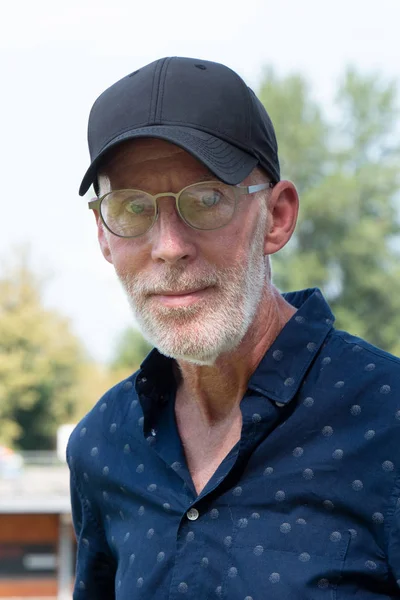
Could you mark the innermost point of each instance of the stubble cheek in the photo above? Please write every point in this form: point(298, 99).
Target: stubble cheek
point(128, 257)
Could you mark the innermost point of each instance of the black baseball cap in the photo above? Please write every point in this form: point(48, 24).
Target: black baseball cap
point(204, 107)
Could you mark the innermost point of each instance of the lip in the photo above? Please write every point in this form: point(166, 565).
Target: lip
point(174, 299)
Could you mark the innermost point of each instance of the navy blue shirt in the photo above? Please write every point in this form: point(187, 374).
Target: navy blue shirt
point(306, 505)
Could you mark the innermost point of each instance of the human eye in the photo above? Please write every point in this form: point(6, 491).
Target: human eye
point(134, 207)
point(138, 205)
point(210, 198)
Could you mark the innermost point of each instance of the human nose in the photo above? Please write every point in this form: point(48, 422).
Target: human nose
point(172, 239)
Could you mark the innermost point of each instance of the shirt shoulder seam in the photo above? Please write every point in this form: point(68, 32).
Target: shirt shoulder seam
point(383, 354)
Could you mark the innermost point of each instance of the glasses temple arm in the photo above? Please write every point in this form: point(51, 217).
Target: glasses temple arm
point(94, 204)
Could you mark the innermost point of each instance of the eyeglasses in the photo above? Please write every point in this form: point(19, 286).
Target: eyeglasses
point(206, 206)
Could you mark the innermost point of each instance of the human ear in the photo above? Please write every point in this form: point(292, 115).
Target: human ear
point(102, 237)
point(283, 208)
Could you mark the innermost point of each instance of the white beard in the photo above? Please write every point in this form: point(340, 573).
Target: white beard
point(201, 332)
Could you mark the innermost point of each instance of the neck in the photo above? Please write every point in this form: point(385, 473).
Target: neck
point(213, 393)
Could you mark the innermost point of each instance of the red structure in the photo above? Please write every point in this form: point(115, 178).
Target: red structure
point(37, 544)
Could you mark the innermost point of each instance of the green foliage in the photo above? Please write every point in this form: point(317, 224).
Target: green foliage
point(39, 364)
point(131, 349)
point(347, 172)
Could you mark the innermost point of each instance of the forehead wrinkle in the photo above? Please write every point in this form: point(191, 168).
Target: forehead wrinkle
point(162, 153)
point(141, 150)
point(154, 175)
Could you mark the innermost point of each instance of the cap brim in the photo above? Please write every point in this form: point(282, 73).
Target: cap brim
point(229, 163)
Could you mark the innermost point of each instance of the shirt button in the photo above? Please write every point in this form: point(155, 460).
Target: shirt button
point(193, 514)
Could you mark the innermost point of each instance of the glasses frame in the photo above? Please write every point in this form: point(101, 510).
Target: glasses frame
point(239, 190)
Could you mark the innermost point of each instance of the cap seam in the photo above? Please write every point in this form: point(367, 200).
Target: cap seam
point(154, 93)
point(186, 123)
point(160, 91)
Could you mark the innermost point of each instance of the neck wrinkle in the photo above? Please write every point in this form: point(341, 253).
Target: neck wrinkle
point(213, 393)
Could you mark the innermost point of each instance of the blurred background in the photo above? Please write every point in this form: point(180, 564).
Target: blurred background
point(328, 74)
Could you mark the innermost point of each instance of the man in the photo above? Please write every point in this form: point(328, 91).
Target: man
point(255, 454)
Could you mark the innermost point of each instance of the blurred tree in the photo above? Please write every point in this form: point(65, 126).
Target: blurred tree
point(40, 360)
point(95, 379)
point(131, 349)
point(347, 172)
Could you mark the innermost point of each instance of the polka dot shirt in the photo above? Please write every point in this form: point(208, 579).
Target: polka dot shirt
point(306, 505)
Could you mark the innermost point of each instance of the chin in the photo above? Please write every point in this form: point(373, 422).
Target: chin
point(193, 343)
point(197, 334)
point(199, 361)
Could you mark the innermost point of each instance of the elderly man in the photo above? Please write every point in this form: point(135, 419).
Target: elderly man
point(255, 454)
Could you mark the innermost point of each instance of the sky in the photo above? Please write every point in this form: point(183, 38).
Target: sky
point(57, 57)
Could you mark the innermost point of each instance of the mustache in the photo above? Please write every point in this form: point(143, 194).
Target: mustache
point(170, 282)
point(178, 279)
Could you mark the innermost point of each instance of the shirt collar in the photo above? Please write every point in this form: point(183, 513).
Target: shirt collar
point(283, 367)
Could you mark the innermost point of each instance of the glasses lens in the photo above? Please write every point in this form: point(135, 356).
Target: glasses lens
point(128, 213)
point(207, 205)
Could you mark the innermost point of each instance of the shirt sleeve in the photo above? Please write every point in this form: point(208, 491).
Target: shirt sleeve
point(95, 566)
